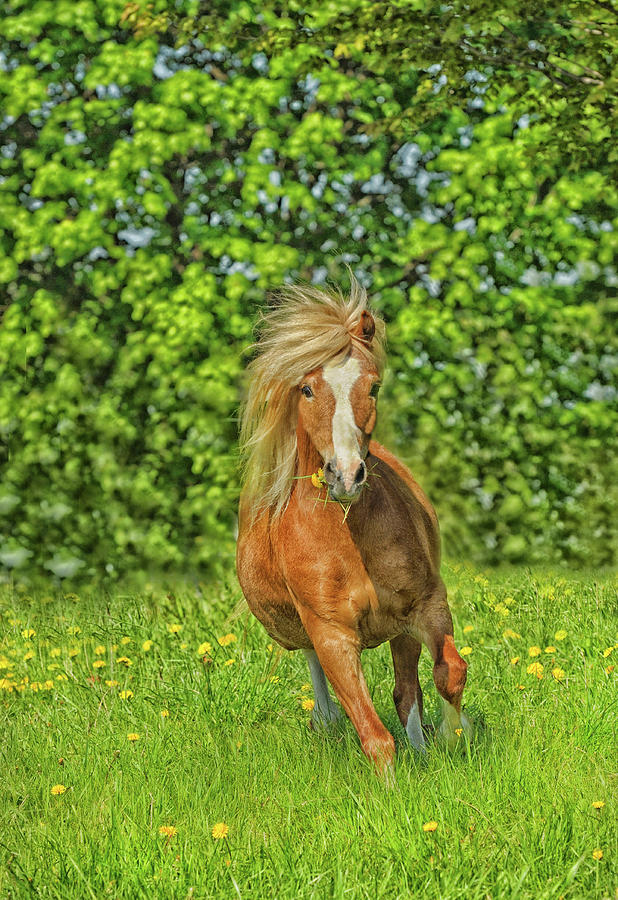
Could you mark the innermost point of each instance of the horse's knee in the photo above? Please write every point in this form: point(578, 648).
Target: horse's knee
point(450, 672)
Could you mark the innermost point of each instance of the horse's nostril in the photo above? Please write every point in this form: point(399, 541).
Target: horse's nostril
point(330, 473)
point(360, 474)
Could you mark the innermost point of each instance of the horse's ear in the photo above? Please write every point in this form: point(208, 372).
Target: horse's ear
point(366, 327)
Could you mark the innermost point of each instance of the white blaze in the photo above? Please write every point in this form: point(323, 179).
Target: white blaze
point(341, 379)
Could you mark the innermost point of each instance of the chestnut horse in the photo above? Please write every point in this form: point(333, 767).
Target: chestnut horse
point(338, 546)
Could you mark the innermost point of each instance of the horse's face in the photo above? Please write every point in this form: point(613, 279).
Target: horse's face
point(337, 409)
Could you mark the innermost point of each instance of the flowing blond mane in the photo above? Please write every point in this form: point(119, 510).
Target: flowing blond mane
point(305, 329)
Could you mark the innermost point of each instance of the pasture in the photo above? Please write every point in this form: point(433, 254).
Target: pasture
point(154, 747)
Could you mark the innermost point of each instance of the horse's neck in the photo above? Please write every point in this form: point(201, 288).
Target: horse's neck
point(308, 460)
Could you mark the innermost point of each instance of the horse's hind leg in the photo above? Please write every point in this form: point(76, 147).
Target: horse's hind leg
point(435, 623)
point(325, 709)
point(407, 694)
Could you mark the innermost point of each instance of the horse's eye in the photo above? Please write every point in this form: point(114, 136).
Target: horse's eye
point(306, 391)
point(375, 389)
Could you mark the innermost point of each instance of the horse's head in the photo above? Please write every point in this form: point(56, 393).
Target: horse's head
point(337, 409)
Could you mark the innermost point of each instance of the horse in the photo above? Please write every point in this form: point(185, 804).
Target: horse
point(338, 546)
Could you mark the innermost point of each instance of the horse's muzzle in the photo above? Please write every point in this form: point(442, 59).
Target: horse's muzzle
point(345, 484)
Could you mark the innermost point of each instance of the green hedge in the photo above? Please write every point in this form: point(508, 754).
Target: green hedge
point(153, 190)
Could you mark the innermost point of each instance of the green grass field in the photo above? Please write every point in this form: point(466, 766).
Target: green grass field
point(220, 735)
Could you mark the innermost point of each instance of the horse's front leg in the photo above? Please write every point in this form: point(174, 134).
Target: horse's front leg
point(407, 694)
point(338, 651)
point(434, 623)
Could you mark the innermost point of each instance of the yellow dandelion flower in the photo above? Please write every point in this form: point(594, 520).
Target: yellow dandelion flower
point(598, 804)
point(125, 695)
point(28, 655)
point(125, 661)
point(204, 648)
point(465, 651)
point(229, 662)
point(73, 652)
point(165, 713)
point(147, 645)
point(58, 789)
point(521, 687)
point(184, 645)
point(226, 640)
point(607, 651)
point(269, 647)
point(125, 640)
point(558, 673)
point(34, 686)
point(98, 664)
point(111, 682)
point(514, 660)
point(509, 634)
point(308, 704)
point(74, 629)
point(174, 628)
point(597, 853)
point(132, 736)
point(275, 679)
point(535, 668)
point(62, 677)
point(315, 481)
point(305, 687)
point(219, 831)
point(459, 732)
point(28, 633)
point(468, 628)
point(609, 669)
point(550, 649)
point(509, 601)
point(55, 652)
point(430, 826)
point(168, 831)
point(560, 635)
point(99, 650)
point(534, 651)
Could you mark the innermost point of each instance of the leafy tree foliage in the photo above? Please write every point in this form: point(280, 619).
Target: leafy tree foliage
point(162, 168)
